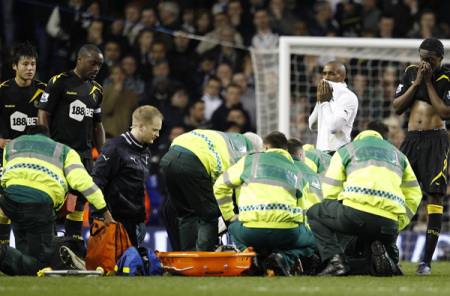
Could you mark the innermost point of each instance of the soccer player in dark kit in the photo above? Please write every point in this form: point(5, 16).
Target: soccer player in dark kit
point(19, 97)
point(424, 89)
point(71, 109)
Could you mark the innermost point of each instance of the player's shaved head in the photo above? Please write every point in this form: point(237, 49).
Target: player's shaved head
point(86, 50)
point(338, 66)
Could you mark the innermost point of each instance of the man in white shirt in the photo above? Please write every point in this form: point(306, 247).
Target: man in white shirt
point(335, 110)
point(211, 97)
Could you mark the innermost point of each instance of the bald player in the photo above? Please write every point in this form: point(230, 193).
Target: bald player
point(335, 111)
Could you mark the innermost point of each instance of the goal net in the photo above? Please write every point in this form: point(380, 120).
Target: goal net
point(285, 85)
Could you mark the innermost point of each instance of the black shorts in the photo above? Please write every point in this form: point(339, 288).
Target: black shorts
point(427, 151)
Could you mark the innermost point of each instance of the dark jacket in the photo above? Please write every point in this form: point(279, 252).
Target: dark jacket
point(121, 172)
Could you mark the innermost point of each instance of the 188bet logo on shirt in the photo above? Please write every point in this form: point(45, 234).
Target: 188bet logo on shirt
point(78, 111)
point(19, 121)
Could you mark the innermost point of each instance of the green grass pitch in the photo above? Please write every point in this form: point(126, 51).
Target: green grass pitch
point(438, 283)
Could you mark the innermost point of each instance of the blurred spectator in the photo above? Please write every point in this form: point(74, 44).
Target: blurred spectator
point(169, 13)
point(247, 69)
point(240, 20)
point(404, 13)
point(248, 99)
point(199, 77)
point(322, 22)
point(213, 37)
point(132, 79)
point(64, 25)
point(237, 114)
point(396, 133)
point(231, 127)
point(149, 18)
point(175, 111)
point(348, 15)
point(195, 119)
point(118, 103)
point(158, 52)
point(386, 26)
point(142, 54)
point(132, 25)
point(254, 5)
point(112, 53)
point(91, 11)
point(281, 19)
point(225, 75)
point(227, 53)
point(7, 25)
point(203, 22)
point(115, 34)
point(211, 97)
point(264, 37)
point(427, 27)
point(370, 15)
point(182, 59)
point(233, 95)
point(161, 88)
point(188, 23)
point(299, 28)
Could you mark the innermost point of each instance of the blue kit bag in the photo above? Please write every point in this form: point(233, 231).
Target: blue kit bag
point(139, 261)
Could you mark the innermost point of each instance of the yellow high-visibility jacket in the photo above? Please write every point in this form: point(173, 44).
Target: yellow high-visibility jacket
point(371, 175)
point(39, 162)
point(272, 190)
point(314, 194)
point(216, 150)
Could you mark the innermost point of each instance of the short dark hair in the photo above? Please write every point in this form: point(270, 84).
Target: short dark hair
point(87, 49)
point(38, 129)
point(294, 146)
point(379, 127)
point(433, 44)
point(23, 50)
point(276, 140)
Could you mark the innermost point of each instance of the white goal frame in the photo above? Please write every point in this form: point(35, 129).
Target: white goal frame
point(335, 43)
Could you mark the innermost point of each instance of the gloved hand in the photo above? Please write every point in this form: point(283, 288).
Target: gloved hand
point(141, 231)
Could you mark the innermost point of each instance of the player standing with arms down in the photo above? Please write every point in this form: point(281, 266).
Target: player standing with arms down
point(19, 97)
point(424, 89)
point(71, 108)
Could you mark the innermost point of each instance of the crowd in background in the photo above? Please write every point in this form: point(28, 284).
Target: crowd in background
point(205, 81)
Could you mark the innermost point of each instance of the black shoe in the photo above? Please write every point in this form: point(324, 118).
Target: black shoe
point(310, 265)
point(276, 263)
point(336, 267)
point(380, 260)
point(398, 270)
point(257, 267)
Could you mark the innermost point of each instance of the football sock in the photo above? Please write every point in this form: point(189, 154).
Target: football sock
point(433, 230)
point(5, 230)
point(74, 224)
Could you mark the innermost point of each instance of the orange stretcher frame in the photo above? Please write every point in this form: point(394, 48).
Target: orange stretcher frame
point(207, 263)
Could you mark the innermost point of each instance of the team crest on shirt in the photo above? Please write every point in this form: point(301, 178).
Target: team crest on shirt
point(399, 88)
point(44, 98)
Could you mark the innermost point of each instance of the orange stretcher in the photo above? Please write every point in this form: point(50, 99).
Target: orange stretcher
point(207, 263)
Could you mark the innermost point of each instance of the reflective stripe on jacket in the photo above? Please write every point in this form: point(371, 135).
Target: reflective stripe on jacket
point(371, 175)
point(272, 190)
point(216, 150)
point(41, 163)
